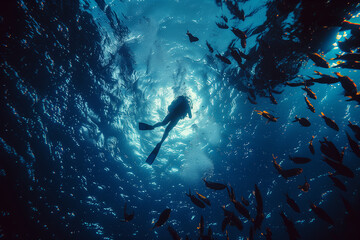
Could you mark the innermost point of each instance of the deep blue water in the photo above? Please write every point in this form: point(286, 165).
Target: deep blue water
point(77, 77)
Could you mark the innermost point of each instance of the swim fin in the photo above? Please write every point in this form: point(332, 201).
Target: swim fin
point(153, 154)
point(144, 126)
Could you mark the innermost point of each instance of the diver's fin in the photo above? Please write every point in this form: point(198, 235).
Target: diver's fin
point(144, 126)
point(153, 154)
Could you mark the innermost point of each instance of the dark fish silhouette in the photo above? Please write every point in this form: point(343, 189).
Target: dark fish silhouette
point(324, 78)
point(209, 46)
point(251, 233)
point(251, 100)
point(241, 209)
point(310, 106)
point(355, 97)
point(267, 115)
point(173, 233)
point(222, 25)
point(203, 198)
point(331, 123)
point(224, 18)
point(234, 10)
point(268, 234)
point(244, 201)
point(347, 206)
point(350, 65)
point(337, 182)
point(224, 223)
point(290, 227)
point(305, 187)
point(300, 160)
point(356, 129)
point(164, 216)
point(231, 193)
point(195, 200)
point(222, 58)
point(273, 100)
point(191, 37)
point(201, 226)
point(235, 54)
point(258, 220)
point(347, 57)
point(214, 185)
point(127, 217)
point(348, 84)
point(233, 218)
point(286, 173)
point(303, 121)
point(329, 149)
point(353, 144)
point(340, 168)
point(259, 200)
point(318, 60)
point(309, 92)
point(298, 84)
point(321, 213)
point(311, 146)
point(240, 34)
point(346, 25)
point(291, 202)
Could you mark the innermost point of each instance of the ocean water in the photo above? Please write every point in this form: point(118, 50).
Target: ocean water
point(78, 76)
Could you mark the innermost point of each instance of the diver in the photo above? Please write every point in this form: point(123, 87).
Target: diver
point(178, 109)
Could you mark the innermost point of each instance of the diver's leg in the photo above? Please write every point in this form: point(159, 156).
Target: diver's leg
point(164, 122)
point(171, 125)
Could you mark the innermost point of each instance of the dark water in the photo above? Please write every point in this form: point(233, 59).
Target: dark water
point(78, 76)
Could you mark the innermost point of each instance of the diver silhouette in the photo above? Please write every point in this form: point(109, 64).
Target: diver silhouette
point(178, 109)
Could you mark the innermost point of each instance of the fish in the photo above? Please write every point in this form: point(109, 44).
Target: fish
point(201, 226)
point(346, 25)
point(222, 25)
point(298, 84)
point(214, 185)
point(243, 42)
point(290, 227)
point(286, 173)
point(347, 57)
point(267, 115)
point(203, 198)
point(251, 233)
point(353, 144)
point(259, 200)
point(241, 209)
point(347, 206)
point(222, 58)
point(321, 213)
point(209, 47)
point(233, 218)
point(337, 182)
point(329, 149)
point(340, 168)
point(303, 121)
point(268, 234)
point(309, 92)
point(318, 60)
point(300, 160)
point(305, 187)
point(258, 220)
point(324, 78)
point(235, 54)
point(231, 193)
point(224, 223)
point(195, 200)
point(291, 202)
point(251, 100)
point(173, 233)
point(355, 97)
point(273, 100)
point(331, 123)
point(244, 201)
point(224, 18)
point(164, 216)
point(350, 65)
point(348, 84)
point(310, 106)
point(356, 129)
point(311, 146)
point(234, 10)
point(240, 34)
point(127, 217)
point(191, 37)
